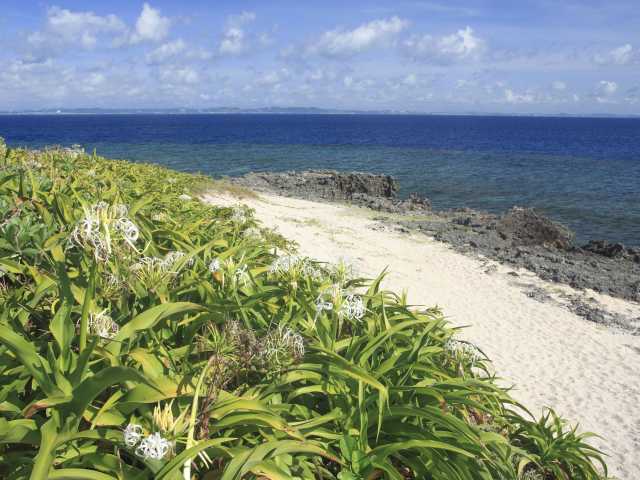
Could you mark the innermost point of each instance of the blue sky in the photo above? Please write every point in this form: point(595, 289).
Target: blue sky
point(428, 56)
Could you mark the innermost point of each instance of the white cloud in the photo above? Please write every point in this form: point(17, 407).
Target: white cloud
point(462, 45)
point(166, 51)
point(241, 19)
point(559, 85)
point(150, 26)
point(66, 27)
point(234, 38)
point(179, 75)
point(233, 41)
point(622, 55)
point(273, 78)
point(93, 82)
point(513, 97)
point(410, 79)
point(340, 42)
point(607, 87)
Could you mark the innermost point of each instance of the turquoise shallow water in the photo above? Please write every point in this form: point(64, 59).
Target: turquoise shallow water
point(582, 172)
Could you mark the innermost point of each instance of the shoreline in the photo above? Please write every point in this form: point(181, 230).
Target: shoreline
point(551, 355)
point(520, 238)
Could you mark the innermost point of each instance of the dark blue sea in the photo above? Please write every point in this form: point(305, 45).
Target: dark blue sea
point(583, 172)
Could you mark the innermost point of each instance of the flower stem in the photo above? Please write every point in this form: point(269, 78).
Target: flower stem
point(88, 297)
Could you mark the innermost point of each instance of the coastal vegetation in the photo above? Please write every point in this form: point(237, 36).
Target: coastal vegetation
point(145, 334)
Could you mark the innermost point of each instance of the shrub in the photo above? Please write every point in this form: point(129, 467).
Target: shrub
point(144, 334)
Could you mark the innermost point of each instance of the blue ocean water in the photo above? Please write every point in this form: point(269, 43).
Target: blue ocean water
point(583, 172)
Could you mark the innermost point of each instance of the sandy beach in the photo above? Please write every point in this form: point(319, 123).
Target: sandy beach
point(587, 372)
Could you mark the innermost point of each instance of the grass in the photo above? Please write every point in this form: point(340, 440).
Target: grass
point(144, 334)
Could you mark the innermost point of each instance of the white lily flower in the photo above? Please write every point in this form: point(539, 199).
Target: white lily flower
point(352, 307)
point(102, 325)
point(132, 435)
point(153, 447)
point(214, 266)
point(458, 348)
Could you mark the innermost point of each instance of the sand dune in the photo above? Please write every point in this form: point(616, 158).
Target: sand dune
point(587, 372)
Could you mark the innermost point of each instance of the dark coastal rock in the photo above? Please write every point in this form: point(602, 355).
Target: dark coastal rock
point(324, 184)
point(525, 227)
point(377, 192)
point(610, 250)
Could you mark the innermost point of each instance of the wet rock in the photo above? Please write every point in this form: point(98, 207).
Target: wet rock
point(604, 248)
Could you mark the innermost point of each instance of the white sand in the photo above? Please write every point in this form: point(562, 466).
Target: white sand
point(588, 373)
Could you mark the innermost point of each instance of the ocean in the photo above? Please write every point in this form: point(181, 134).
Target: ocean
point(582, 172)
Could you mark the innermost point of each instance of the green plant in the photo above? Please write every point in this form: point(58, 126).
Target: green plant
point(145, 334)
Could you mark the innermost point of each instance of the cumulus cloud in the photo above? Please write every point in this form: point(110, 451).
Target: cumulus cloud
point(179, 75)
point(234, 38)
point(166, 51)
point(341, 42)
point(622, 55)
point(462, 45)
point(607, 87)
point(65, 27)
point(605, 92)
point(150, 26)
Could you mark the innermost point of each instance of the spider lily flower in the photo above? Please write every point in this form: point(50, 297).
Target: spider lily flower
point(102, 227)
point(284, 264)
point(129, 231)
point(152, 270)
point(214, 266)
point(238, 215)
point(281, 344)
point(132, 435)
point(322, 305)
point(352, 307)
point(172, 258)
point(457, 348)
point(252, 233)
point(242, 274)
point(294, 263)
point(102, 325)
point(153, 447)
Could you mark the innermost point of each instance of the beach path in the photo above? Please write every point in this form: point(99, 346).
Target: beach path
point(587, 372)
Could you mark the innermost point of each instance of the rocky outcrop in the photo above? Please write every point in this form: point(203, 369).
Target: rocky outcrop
point(612, 250)
point(526, 227)
point(323, 184)
point(377, 192)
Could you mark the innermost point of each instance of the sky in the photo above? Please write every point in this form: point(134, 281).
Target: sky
point(541, 56)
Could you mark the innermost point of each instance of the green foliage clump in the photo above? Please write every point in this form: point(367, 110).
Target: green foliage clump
point(145, 334)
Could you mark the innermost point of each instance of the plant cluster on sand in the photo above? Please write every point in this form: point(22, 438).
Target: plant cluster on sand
point(147, 335)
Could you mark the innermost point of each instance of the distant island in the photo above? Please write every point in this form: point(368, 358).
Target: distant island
point(275, 110)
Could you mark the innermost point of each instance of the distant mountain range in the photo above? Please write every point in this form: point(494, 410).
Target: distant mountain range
point(279, 110)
